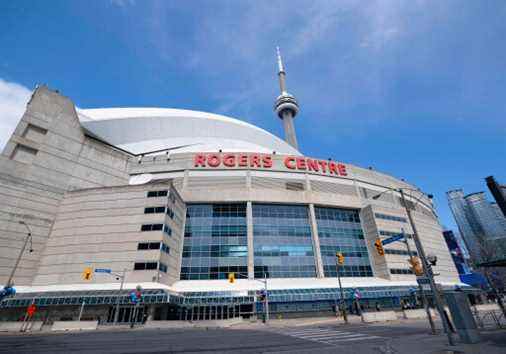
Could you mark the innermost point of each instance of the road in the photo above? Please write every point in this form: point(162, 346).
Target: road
point(354, 339)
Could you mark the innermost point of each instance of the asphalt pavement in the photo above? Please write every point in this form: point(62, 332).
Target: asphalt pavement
point(386, 338)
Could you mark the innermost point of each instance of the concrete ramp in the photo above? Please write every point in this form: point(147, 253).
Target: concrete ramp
point(381, 316)
point(74, 326)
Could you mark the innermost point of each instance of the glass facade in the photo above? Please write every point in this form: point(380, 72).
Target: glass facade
point(215, 241)
point(283, 246)
point(339, 230)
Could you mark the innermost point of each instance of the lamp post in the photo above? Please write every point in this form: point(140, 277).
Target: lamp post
point(342, 303)
point(27, 238)
point(427, 270)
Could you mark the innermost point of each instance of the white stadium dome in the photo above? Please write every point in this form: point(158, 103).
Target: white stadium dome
point(146, 130)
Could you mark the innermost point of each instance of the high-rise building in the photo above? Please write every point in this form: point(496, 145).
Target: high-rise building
point(469, 228)
point(481, 223)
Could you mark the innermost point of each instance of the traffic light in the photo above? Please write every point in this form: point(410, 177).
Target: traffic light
point(416, 265)
point(231, 278)
point(340, 258)
point(87, 273)
point(379, 247)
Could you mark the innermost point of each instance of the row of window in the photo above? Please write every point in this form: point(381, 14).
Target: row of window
point(215, 251)
point(150, 266)
point(283, 251)
point(288, 271)
point(154, 194)
point(154, 210)
point(214, 230)
point(391, 233)
point(400, 271)
point(390, 217)
point(157, 227)
point(348, 271)
point(153, 246)
point(400, 252)
point(196, 273)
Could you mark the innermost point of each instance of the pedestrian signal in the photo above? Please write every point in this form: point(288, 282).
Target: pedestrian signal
point(87, 273)
point(379, 247)
point(231, 278)
point(340, 258)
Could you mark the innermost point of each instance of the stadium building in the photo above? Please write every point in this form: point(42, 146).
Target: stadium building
point(176, 200)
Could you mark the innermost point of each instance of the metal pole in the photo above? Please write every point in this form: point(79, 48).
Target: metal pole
point(343, 304)
point(425, 302)
point(427, 271)
point(81, 310)
point(494, 291)
point(116, 313)
point(266, 299)
point(9, 281)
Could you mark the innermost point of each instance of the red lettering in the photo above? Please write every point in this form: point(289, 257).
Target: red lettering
point(243, 160)
point(267, 161)
point(323, 164)
point(229, 160)
point(342, 169)
point(301, 163)
point(199, 160)
point(312, 165)
point(213, 160)
point(289, 160)
point(254, 160)
point(333, 168)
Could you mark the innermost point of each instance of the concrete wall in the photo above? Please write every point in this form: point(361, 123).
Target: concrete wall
point(47, 155)
point(101, 228)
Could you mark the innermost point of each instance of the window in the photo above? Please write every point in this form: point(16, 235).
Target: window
point(215, 241)
point(282, 241)
point(339, 230)
point(167, 230)
point(151, 227)
point(400, 271)
point(154, 194)
point(162, 267)
point(165, 248)
point(145, 265)
point(294, 186)
point(170, 213)
point(400, 252)
point(391, 233)
point(143, 246)
point(154, 210)
point(390, 217)
point(172, 197)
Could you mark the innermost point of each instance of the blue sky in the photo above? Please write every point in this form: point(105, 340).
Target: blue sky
point(412, 88)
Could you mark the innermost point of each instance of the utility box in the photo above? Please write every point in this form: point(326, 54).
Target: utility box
point(462, 316)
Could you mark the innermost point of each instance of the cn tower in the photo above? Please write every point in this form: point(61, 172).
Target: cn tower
point(286, 106)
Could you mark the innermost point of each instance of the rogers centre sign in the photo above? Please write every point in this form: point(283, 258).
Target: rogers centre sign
point(298, 163)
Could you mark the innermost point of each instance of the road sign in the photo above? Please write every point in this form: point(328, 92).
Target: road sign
point(392, 239)
point(422, 280)
point(31, 310)
point(102, 270)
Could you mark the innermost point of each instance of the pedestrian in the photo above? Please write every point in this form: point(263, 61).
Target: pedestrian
point(377, 306)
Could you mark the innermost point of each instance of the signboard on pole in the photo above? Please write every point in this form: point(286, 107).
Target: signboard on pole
point(102, 270)
point(392, 239)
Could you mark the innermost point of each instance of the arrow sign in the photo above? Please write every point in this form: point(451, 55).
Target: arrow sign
point(102, 270)
point(392, 239)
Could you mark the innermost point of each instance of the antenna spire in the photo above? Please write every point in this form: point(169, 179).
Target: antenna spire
point(280, 61)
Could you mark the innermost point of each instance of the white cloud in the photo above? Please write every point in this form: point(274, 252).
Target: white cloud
point(13, 100)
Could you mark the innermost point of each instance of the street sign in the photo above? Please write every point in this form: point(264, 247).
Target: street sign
point(422, 280)
point(102, 270)
point(392, 239)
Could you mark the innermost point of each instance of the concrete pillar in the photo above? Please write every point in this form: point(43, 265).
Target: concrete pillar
point(316, 242)
point(251, 252)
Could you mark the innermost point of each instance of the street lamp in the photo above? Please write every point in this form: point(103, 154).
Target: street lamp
point(28, 238)
point(427, 269)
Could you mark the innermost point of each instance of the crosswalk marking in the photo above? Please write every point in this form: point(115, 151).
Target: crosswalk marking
point(327, 335)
